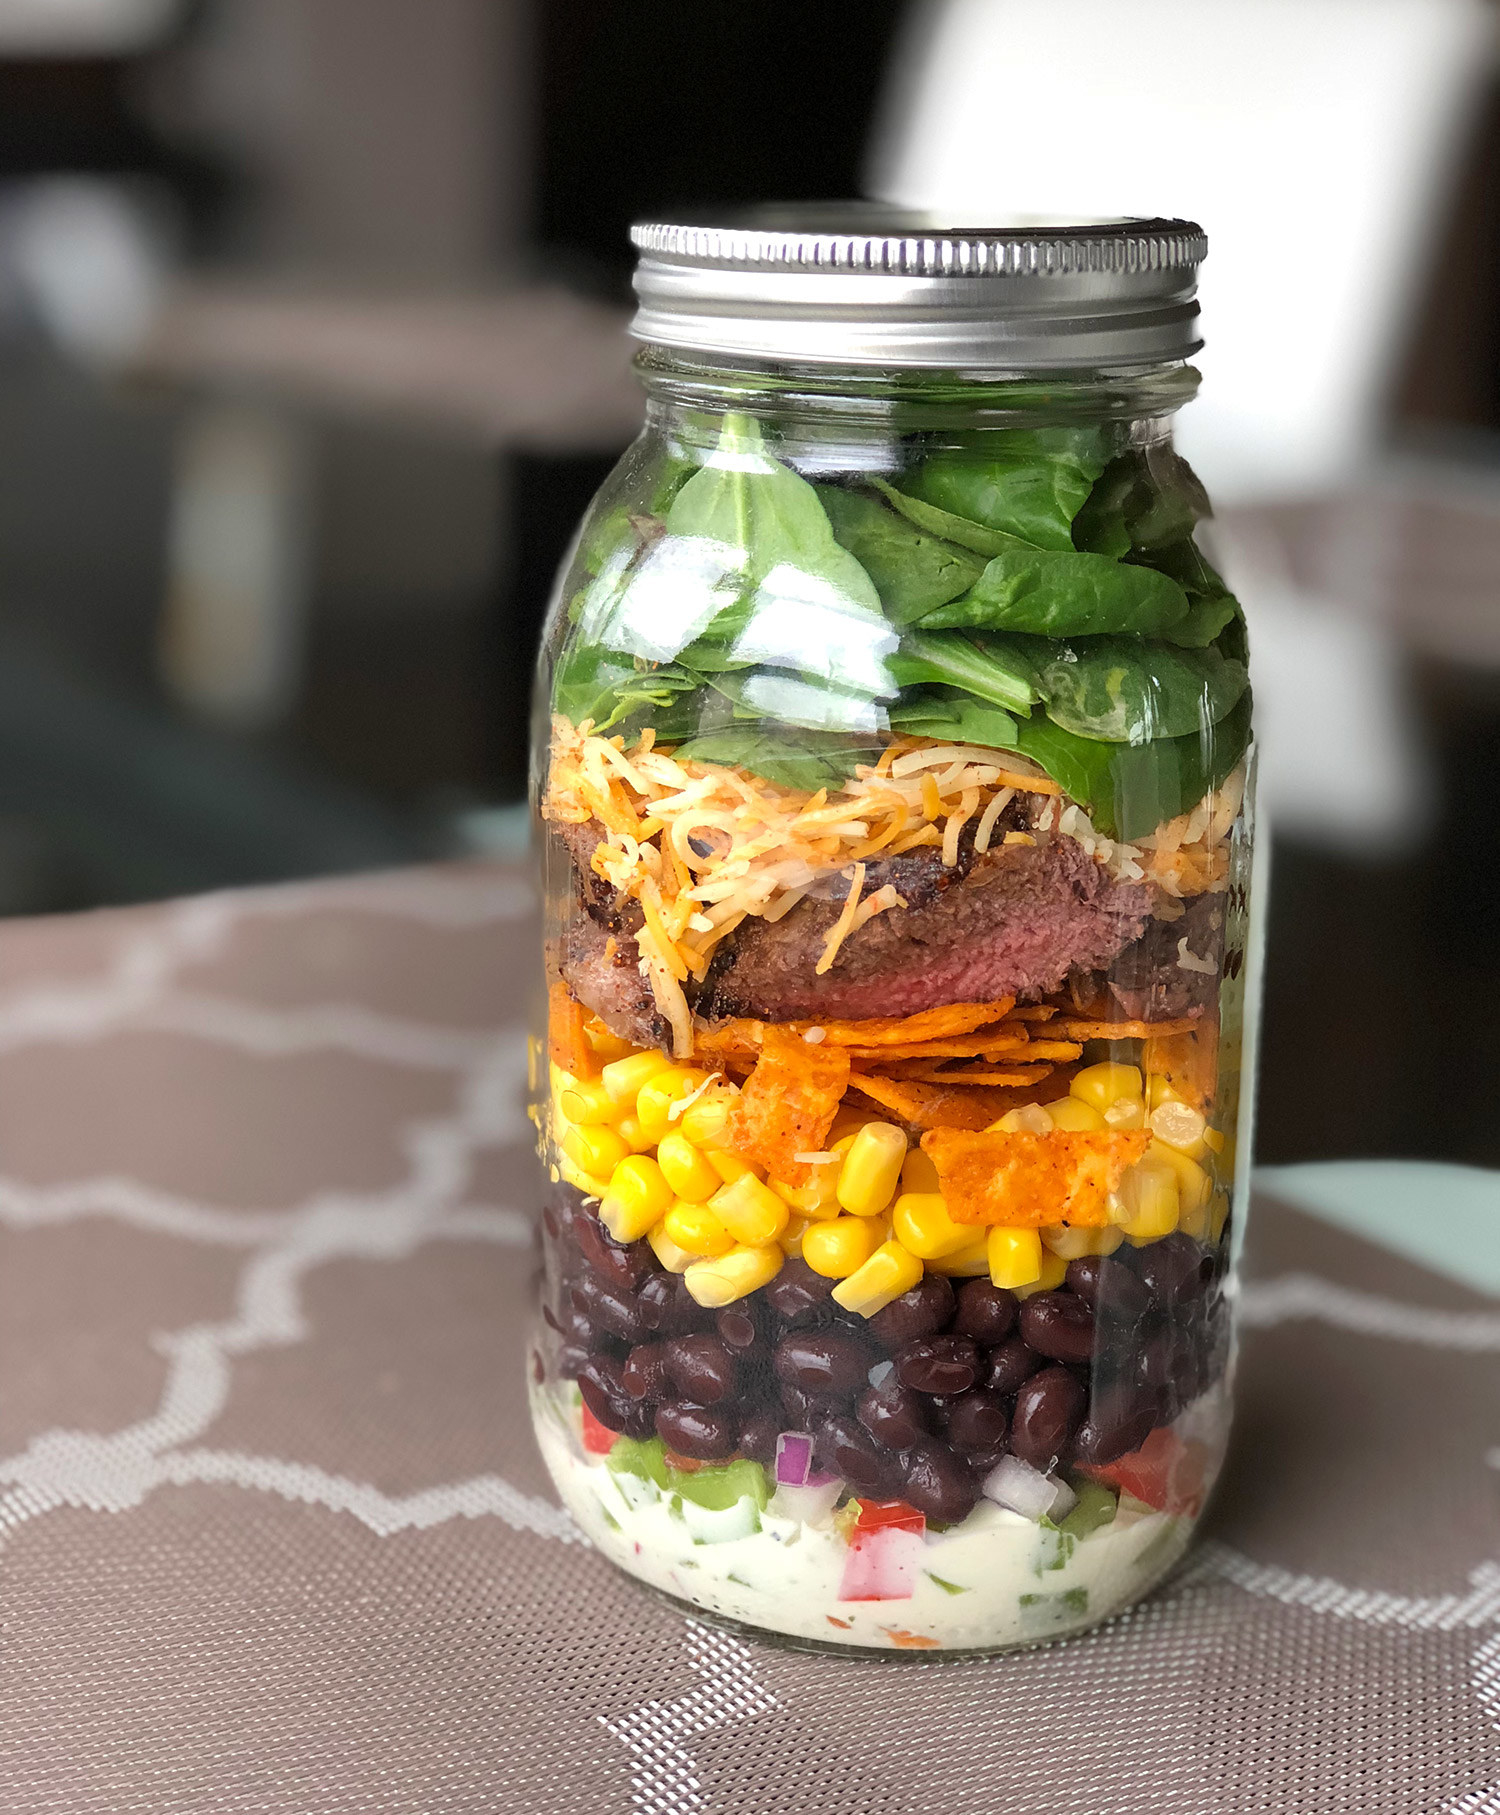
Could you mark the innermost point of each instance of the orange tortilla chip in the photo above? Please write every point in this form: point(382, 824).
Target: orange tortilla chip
point(928, 1105)
point(981, 1046)
point(567, 1043)
point(788, 1103)
point(1075, 1029)
point(1032, 1180)
point(930, 1024)
point(1189, 1061)
point(938, 1071)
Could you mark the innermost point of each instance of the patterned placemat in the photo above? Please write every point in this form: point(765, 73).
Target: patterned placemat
point(274, 1536)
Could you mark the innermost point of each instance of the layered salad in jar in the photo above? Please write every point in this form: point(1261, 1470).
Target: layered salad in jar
point(897, 851)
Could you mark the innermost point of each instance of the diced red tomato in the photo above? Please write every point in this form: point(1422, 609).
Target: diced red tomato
point(1165, 1472)
point(882, 1515)
point(598, 1439)
point(685, 1465)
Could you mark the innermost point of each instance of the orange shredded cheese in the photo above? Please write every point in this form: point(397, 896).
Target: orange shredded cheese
point(844, 925)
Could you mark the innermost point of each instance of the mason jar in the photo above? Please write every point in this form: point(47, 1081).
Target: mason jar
point(894, 761)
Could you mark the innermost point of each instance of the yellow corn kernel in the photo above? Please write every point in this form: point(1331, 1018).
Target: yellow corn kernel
point(696, 1228)
point(1213, 1139)
point(638, 1197)
point(1159, 1089)
point(971, 1262)
point(845, 1123)
point(730, 1166)
point(1194, 1222)
point(673, 1258)
point(1148, 1200)
point(871, 1169)
point(818, 1198)
point(654, 1100)
point(1107, 1239)
point(919, 1172)
point(1075, 1116)
point(633, 1135)
point(704, 1121)
point(1015, 1256)
point(842, 1145)
point(1063, 1239)
point(888, 1273)
point(623, 1078)
point(1126, 1113)
point(924, 1228)
point(1194, 1186)
point(1054, 1272)
point(733, 1275)
point(596, 1149)
point(688, 1173)
point(588, 1104)
point(790, 1239)
point(841, 1247)
point(1104, 1084)
point(1180, 1126)
point(750, 1211)
point(1030, 1118)
point(589, 1183)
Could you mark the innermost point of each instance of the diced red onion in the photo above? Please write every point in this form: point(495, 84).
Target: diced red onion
point(794, 1454)
point(1023, 1489)
point(812, 1502)
point(882, 1370)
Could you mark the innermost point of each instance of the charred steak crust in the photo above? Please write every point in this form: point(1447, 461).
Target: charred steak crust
point(1149, 981)
point(603, 971)
point(1017, 923)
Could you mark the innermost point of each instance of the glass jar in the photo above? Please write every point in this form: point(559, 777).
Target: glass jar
point(894, 761)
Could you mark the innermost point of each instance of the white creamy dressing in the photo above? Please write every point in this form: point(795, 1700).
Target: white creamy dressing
point(996, 1579)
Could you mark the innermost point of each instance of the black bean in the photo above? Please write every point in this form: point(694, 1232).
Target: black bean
point(617, 1312)
point(601, 1384)
point(572, 1359)
point(644, 1375)
point(923, 1311)
point(758, 1436)
point(667, 1308)
point(1174, 1268)
point(939, 1484)
point(847, 1449)
point(706, 1433)
point(943, 1364)
point(1048, 1410)
point(618, 1264)
point(1109, 1286)
point(737, 1327)
point(982, 1461)
point(831, 1364)
point(1118, 1422)
point(977, 1421)
point(797, 1295)
point(802, 1410)
point(701, 1368)
point(893, 1414)
point(1163, 1359)
point(1007, 1366)
point(1059, 1325)
point(985, 1312)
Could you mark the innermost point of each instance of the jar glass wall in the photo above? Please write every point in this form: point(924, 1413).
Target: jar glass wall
point(894, 757)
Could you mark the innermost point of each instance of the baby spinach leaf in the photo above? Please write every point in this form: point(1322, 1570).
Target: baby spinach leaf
point(1129, 789)
point(1207, 618)
point(1026, 483)
point(1124, 691)
point(1071, 594)
point(990, 668)
point(596, 684)
point(951, 716)
point(913, 572)
point(811, 762)
point(790, 699)
point(973, 536)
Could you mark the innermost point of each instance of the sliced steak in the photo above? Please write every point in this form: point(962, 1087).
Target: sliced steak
point(1020, 919)
point(601, 901)
point(602, 970)
point(1149, 980)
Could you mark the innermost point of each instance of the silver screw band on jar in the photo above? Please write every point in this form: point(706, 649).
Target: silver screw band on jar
point(863, 286)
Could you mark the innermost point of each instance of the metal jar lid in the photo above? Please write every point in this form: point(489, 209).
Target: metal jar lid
point(859, 284)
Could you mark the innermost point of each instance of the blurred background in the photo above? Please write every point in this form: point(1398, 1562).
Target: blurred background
point(312, 353)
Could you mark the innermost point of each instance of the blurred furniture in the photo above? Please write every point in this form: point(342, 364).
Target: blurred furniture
point(275, 1535)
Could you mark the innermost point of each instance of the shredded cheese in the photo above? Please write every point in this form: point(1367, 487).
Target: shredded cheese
point(844, 925)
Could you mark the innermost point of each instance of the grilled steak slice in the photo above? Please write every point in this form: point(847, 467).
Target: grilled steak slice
point(602, 902)
point(1020, 919)
point(1149, 981)
point(602, 970)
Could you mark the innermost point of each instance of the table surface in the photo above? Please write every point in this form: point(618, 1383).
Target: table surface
point(274, 1536)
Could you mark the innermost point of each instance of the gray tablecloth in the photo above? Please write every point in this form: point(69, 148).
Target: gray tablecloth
point(274, 1536)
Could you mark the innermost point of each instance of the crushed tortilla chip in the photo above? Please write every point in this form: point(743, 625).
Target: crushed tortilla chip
point(940, 1071)
point(1072, 1028)
point(928, 1105)
point(744, 1035)
point(788, 1103)
point(1014, 1046)
point(1189, 1061)
point(1032, 1180)
point(568, 1044)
